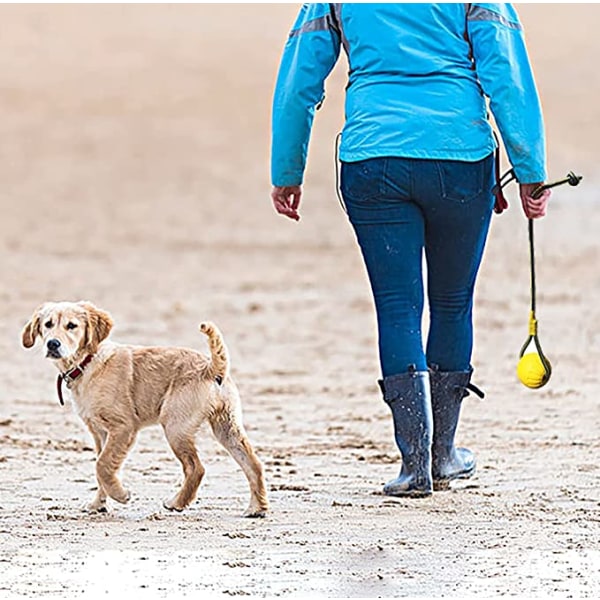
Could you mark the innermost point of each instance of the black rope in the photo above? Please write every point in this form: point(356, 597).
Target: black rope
point(336, 161)
point(532, 265)
point(533, 320)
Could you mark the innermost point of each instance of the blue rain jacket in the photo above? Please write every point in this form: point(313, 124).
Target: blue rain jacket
point(419, 76)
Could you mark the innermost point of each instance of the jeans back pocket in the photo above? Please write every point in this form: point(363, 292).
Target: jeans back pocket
point(461, 181)
point(363, 180)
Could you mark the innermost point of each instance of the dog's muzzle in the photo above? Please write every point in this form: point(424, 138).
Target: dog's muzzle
point(53, 349)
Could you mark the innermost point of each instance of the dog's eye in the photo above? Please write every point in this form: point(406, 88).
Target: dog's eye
point(71, 325)
point(48, 324)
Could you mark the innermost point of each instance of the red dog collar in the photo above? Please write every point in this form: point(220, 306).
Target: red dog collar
point(70, 376)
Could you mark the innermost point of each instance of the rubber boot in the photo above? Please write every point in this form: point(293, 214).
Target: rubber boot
point(409, 398)
point(448, 388)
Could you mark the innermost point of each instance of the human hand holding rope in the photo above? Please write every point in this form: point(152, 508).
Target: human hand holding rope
point(534, 205)
point(534, 368)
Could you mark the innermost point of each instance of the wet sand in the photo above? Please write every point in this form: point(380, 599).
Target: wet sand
point(134, 146)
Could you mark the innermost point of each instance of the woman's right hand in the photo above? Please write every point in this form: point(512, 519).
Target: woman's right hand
point(286, 200)
point(534, 208)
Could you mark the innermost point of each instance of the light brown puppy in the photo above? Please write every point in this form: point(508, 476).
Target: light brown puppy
point(118, 389)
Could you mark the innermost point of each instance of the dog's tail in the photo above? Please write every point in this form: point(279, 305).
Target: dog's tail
point(219, 358)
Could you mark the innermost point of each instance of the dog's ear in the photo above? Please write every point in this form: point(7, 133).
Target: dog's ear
point(98, 326)
point(31, 330)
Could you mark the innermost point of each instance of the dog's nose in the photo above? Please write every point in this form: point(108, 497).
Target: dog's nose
point(53, 344)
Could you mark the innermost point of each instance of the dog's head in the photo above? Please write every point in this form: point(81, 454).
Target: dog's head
point(67, 328)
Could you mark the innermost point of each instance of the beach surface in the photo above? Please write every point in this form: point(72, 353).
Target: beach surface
point(134, 170)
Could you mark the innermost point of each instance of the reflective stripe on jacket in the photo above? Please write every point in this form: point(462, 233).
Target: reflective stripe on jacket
point(419, 75)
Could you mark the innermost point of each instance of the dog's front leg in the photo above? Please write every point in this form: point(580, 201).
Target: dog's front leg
point(117, 445)
point(99, 502)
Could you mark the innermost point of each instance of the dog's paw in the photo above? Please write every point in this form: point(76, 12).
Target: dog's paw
point(173, 505)
point(123, 496)
point(94, 508)
point(252, 513)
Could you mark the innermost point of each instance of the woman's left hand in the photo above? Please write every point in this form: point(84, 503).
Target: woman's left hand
point(534, 208)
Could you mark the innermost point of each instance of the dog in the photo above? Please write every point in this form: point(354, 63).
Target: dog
point(119, 389)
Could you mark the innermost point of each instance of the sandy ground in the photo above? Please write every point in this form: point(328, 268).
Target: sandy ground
point(134, 173)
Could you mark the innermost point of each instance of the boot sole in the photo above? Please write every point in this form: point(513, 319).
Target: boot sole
point(442, 485)
point(408, 493)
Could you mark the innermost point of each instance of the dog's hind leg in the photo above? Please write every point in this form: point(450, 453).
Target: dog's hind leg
point(117, 445)
point(182, 444)
point(230, 433)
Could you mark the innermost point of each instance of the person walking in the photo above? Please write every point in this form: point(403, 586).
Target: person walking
point(417, 178)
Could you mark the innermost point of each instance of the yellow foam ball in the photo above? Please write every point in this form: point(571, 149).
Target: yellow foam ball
point(531, 371)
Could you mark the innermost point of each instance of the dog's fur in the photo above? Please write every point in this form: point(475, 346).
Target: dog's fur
point(125, 388)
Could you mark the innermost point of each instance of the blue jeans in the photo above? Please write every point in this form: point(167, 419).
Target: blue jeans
point(400, 207)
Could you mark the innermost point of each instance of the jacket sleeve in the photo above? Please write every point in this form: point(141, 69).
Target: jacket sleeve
point(310, 53)
point(505, 74)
